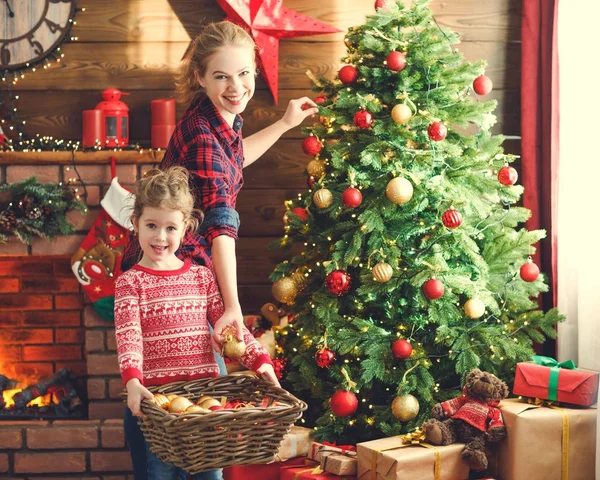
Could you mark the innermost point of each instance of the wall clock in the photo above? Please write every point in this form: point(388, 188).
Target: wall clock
point(30, 30)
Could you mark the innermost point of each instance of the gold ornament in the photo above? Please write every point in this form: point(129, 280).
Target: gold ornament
point(323, 198)
point(161, 401)
point(401, 113)
point(284, 290)
point(196, 409)
point(474, 308)
point(179, 405)
point(405, 408)
point(399, 190)
point(316, 168)
point(233, 349)
point(300, 280)
point(382, 272)
point(209, 402)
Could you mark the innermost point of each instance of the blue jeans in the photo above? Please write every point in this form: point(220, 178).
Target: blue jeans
point(137, 444)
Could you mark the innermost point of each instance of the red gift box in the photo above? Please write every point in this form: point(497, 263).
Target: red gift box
point(573, 386)
point(309, 471)
point(265, 471)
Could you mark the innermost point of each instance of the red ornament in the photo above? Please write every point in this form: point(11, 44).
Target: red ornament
point(381, 4)
point(437, 131)
point(452, 218)
point(433, 289)
point(363, 119)
point(343, 403)
point(348, 74)
point(268, 22)
point(482, 85)
point(311, 181)
point(529, 272)
point(508, 176)
point(311, 145)
point(338, 282)
point(352, 197)
point(401, 349)
point(320, 100)
point(279, 367)
point(396, 61)
point(301, 213)
point(116, 119)
point(324, 357)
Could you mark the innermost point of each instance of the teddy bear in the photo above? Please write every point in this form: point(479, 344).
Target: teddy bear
point(473, 418)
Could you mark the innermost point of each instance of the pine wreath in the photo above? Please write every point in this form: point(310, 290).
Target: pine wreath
point(29, 209)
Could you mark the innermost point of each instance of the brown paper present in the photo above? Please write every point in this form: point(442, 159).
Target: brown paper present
point(317, 447)
point(338, 462)
point(390, 459)
point(295, 444)
point(549, 443)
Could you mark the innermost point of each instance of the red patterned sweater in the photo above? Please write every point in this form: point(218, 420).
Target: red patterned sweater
point(161, 325)
point(481, 415)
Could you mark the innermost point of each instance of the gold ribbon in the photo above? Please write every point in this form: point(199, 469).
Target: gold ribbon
point(314, 79)
point(408, 440)
point(350, 383)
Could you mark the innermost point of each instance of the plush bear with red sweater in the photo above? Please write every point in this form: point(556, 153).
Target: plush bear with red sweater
point(473, 418)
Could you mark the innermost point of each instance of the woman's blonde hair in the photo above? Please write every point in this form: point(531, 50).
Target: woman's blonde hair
point(213, 37)
point(168, 189)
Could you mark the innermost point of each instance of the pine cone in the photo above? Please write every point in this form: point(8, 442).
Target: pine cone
point(7, 220)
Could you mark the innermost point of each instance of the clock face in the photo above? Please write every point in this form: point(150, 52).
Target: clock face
point(31, 29)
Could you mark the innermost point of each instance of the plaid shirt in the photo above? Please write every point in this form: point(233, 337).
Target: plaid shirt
point(213, 153)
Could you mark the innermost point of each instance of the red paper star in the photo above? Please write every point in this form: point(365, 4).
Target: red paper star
point(268, 22)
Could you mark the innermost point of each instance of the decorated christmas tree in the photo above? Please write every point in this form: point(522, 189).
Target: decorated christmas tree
point(413, 266)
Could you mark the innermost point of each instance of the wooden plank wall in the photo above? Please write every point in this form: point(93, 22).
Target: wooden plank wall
point(136, 46)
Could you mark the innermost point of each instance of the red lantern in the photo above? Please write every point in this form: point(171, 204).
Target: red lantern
point(116, 118)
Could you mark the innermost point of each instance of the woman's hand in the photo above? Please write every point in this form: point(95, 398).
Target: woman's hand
point(232, 319)
point(297, 110)
point(135, 393)
point(267, 373)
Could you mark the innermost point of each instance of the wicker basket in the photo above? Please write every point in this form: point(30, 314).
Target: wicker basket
point(197, 442)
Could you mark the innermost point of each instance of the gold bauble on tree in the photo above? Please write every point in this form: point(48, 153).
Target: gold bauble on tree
point(405, 408)
point(382, 272)
point(401, 113)
point(316, 168)
point(300, 280)
point(284, 290)
point(323, 198)
point(399, 190)
point(474, 308)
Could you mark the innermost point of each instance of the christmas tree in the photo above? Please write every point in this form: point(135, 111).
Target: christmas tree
point(412, 266)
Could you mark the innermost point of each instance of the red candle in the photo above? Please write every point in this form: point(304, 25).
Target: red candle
point(160, 135)
point(162, 111)
point(92, 128)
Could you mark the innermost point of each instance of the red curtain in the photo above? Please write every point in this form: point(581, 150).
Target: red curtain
point(539, 128)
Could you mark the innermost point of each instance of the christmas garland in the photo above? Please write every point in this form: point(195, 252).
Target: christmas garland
point(29, 209)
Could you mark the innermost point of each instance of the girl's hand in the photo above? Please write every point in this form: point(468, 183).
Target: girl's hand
point(267, 373)
point(297, 110)
point(135, 393)
point(232, 319)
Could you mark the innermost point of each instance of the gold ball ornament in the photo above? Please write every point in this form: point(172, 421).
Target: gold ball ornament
point(179, 405)
point(401, 113)
point(316, 168)
point(300, 280)
point(323, 198)
point(405, 408)
point(382, 272)
point(399, 190)
point(232, 348)
point(474, 308)
point(284, 290)
point(196, 409)
point(161, 401)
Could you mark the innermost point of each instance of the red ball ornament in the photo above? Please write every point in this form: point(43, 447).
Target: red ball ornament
point(320, 100)
point(529, 272)
point(508, 176)
point(452, 218)
point(279, 367)
point(348, 74)
point(310, 181)
point(343, 403)
point(401, 349)
point(311, 145)
point(338, 282)
point(324, 357)
point(433, 289)
point(381, 4)
point(396, 61)
point(302, 213)
point(482, 85)
point(352, 197)
point(363, 119)
point(437, 131)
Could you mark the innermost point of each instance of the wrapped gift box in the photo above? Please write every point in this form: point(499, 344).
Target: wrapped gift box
point(265, 471)
point(295, 444)
point(390, 459)
point(309, 471)
point(534, 445)
point(577, 387)
point(340, 460)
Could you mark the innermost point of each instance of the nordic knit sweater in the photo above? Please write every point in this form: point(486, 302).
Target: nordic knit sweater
point(161, 325)
point(482, 415)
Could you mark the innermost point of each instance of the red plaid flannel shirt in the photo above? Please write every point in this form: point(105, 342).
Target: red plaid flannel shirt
point(213, 153)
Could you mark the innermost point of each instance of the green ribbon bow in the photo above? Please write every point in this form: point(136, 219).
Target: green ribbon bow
point(554, 371)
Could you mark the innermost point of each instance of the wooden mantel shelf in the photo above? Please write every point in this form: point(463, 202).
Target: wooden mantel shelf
point(143, 156)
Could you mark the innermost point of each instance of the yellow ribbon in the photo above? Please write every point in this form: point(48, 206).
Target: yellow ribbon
point(408, 440)
point(314, 79)
point(350, 383)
